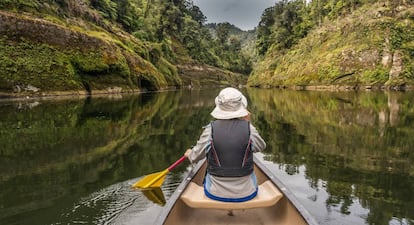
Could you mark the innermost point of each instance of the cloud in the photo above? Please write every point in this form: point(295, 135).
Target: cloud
point(229, 5)
point(243, 13)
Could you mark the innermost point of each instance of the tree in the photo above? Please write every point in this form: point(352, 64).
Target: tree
point(171, 20)
point(264, 30)
point(107, 8)
point(287, 23)
point(235, 45)
point(223, 30)
point(129, 15)
point(197, 15)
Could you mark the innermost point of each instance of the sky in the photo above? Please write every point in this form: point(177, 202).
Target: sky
point(245, 14)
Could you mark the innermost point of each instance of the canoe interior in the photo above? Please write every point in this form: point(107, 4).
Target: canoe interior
point(283, 212)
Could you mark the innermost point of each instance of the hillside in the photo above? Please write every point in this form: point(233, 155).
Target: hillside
point(370, 46)
point(104, 46)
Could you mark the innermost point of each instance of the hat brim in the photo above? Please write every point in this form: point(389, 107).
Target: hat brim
point(225, 115)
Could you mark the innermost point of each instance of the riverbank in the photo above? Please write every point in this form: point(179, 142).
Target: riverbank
point(110, 93)
point(118, 92)
point(370, 46)
point(341, 87)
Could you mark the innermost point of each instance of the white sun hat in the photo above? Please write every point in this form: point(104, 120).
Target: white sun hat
point(230, 104)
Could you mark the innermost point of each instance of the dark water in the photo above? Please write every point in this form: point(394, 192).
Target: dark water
point(348, 157)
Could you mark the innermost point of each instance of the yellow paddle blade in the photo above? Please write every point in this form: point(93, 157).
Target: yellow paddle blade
point(151, 181)
point(155, 195)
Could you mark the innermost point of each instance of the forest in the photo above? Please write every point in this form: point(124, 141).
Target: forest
point(117, 45)
point(333, 42)
point(90, 46)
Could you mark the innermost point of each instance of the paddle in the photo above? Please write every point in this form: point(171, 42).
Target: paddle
point(155, 195)
point(155, 180)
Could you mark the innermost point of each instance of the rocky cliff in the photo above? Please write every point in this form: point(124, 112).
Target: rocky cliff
point(45, 55)
point(62, 57)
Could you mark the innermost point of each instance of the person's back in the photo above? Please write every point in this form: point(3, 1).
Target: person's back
point(230, 153)
point(229, 143)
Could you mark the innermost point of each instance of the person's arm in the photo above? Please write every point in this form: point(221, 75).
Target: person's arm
point(258, 143)
point(199, 151)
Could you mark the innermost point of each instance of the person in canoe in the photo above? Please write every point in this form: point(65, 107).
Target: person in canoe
point(229, 142)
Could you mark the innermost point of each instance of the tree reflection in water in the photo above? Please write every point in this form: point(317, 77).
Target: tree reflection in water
point(359, 144)
point(56, 157)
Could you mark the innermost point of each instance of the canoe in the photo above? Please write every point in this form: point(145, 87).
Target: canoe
point(274, 204)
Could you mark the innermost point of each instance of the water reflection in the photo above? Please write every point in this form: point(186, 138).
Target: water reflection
point(347, 156)
point(155, 195)
point(57, 152)
point(355, 146)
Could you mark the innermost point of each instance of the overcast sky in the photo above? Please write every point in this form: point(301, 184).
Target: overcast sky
point(245, 14)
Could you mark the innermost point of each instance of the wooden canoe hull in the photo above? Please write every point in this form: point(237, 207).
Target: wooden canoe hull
point(287, 210)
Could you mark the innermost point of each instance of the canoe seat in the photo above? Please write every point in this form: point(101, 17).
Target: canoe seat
point(267, 195)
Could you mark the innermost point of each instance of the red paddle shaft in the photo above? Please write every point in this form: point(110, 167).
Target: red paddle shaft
point(176, 163)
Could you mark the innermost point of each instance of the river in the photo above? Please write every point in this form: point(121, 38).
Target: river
point(347, 156)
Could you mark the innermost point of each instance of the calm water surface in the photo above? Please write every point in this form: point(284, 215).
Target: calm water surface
point(348, 157)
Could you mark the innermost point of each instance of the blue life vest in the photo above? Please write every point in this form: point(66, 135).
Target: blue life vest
point(230, 154)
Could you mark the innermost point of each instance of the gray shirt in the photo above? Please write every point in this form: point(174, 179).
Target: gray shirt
point(227, 187)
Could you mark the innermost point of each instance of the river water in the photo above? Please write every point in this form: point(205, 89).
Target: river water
point(347, 156)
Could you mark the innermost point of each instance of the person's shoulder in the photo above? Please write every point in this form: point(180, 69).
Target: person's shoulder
point(252, 126)
point(207, 126)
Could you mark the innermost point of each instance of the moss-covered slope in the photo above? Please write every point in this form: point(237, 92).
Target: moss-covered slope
point(95, 46)
point(373, 46)
point(40, 55)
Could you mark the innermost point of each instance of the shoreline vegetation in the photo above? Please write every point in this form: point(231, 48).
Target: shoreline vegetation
point(110, 93)
point(106, 47)
point(83, 48)
point(360, 44)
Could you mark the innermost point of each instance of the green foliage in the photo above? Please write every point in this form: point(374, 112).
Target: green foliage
point(222, 31)
point(282, 25)
point(327, 73)
point(169, 71)
point(264, 30)
point(227, 48)
point(146, 34)
point(90, 63)
point(409, 71)
point(107, 8)
point(191, 37)
point(197, 15)
point(286, 28)
point(376, 76)
point(285, 23)
point(130, 14)
point(20, 4)
point(41, 66)
point(325, 42)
